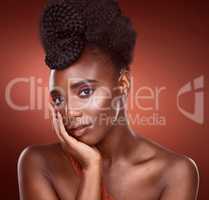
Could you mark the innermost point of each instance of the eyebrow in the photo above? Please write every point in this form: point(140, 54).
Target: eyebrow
point(77, 84)
point(55, 92)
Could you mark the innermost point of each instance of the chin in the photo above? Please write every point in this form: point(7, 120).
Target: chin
point(89, 137)
point(91, 141)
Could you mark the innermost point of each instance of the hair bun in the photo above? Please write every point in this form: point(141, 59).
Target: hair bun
point(66, 26)
point(62, 33)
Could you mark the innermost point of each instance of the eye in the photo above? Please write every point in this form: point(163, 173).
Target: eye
point(58, 100)
point(86, 92)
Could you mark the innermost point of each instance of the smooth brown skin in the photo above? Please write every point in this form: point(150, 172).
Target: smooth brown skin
point(130, 166)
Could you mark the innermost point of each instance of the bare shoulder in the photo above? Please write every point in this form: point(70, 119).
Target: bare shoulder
point(176, 166)
point(44, 157)
point(153, 151)
point(180, 174)
point(44, 171)
point(39, 153)
point(181, 170)
point(172, 162)
point(175, 170)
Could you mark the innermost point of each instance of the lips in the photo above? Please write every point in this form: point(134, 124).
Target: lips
point(79, 130)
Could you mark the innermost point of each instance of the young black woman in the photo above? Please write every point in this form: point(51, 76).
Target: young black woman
point(89, 47)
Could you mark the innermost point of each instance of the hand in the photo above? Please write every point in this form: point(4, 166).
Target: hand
point(87, 156)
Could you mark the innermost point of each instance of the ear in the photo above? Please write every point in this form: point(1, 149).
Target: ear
point(124, 81)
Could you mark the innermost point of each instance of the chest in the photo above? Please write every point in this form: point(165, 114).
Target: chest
point(135, 183)
point(121, 183)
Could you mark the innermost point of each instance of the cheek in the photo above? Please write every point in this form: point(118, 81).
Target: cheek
point(103, 114)
point(99, 108)
point(101, 101)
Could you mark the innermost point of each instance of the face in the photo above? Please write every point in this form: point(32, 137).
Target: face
point(87, 93)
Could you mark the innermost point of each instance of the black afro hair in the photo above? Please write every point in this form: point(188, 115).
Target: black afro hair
point(68, 26)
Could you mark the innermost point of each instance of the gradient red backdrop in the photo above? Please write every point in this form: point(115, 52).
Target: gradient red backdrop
point(172, 49)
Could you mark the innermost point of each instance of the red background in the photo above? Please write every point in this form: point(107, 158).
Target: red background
point(172, 49)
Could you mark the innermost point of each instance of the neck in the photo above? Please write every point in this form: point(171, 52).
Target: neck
point(116, 142)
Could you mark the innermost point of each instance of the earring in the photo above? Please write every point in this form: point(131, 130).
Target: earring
point(126, 92)
point(123, 71)
point(117, 112)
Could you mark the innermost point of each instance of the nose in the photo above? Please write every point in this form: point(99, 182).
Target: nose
point(71, 115)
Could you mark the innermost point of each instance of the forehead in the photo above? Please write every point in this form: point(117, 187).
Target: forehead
point(92, 65)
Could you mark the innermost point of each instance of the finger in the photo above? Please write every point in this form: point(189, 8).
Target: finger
point(52, 108)
point(67, 121)
point(62, 127)
point(66, 137)
point(54, 117)
point(50, 115)
point(55, 123)
point(69, 117)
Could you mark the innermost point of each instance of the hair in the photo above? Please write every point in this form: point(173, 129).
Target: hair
point(68, 26)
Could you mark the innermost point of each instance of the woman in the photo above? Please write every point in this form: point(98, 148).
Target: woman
point(89, 47)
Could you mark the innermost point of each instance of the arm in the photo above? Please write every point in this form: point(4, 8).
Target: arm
point(182, 181)
point(91, 184)
point(89, 157)
point(33, 182)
